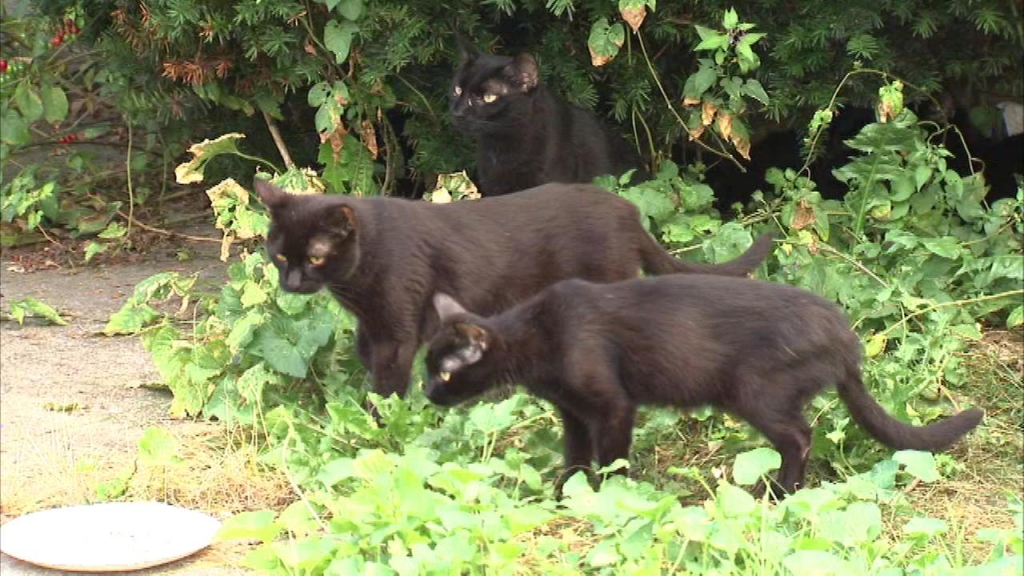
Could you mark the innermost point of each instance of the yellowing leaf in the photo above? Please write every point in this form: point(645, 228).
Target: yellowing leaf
point(725, 126)
point(688, 101)
point(707, 113)
point(875, 345)
point(192, 171)
point(633, 15)
point(803, 215)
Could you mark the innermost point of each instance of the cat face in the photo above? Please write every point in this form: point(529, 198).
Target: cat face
point(489, 91)
point(457, 356)
point(312, 239)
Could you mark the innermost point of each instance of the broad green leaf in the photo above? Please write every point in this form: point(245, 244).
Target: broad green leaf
point(158, 447)
point(338, 38)
point(925, 527)
point(282, 356)
point(699, 82)
point(55, 103)
point(33, 307)
point(351, 9)
point(902, 188)
point(192, 171)
point(1016, 318)
point(816, 563)
point(735, 502)
point(29, 102)
point(14, 128)
point(875, 345)
point(604, 41)
point(318, 94)
point(112, 231)
point(918, 464)
point(259, 525)
point(860, 523)
point(750, 466)
point(754, 89)
point(946, 246)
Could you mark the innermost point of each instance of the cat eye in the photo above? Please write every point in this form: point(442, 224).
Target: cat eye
point(316, 260)
point(488, 98)
point(458, 91)
point(445, 376)
point(281, 258)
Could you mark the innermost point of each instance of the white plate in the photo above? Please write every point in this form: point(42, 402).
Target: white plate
point(109, 537)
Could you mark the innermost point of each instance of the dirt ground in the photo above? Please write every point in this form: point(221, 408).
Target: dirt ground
point(54, 457)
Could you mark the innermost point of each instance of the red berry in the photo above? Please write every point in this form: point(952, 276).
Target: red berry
point(57, 41)
point(68, 22)
point(75, 30)
point(3, 66)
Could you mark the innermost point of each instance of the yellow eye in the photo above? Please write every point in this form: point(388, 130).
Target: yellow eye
point(281, 258)
point(458, 91)
point(445, 376)
point(316, 260)
point(488, 98)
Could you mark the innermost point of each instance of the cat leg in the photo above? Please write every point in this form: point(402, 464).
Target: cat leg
point(786, 428)
point(364, 349)
point(579, 450)
point(612, 431)
point(391, 369)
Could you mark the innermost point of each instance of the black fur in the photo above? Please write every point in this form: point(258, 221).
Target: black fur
point(383, 258)
point(597, 351)
point(528, 136)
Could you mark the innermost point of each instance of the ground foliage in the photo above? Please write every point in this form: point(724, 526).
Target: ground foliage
point(915, 256)
point(913, 253)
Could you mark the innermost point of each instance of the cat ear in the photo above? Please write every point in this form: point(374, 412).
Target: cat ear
point(340, 220)
point(272, 196)
point(477, 335)
point(446, 306)
point(522, 72)
point(467, 50)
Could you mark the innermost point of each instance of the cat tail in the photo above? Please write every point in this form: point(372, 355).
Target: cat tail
point(867, 412)
point(656, 261)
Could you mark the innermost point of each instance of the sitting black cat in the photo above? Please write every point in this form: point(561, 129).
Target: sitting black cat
point(526, 135)
point(383, 258)
point(597, 351)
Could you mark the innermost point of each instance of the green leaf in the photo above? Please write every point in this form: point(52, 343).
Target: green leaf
point(318, 94)
point(754, 89)
point(750, 466)
point(351, 9)
point(918, 464)
point(338, 38)
point(735, 502)
point(55, 103)
point(730, 19)
point(113, 230)
point(28, 101)
point(902, 188)
point(605, 40)
point(816, 563)
point(158, 447)
point(699, 82)
point(282, 356)
point(259, 525)
point(947, 246)
point(925, 527)
point(33, 307)
point(1016, 317)
point(710, 39)
point(15, 128)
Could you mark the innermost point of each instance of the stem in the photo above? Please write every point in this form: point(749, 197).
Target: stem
point(679, 118)
point(430, 109)
point(276, 135)
point(131, 191)
point(163, 232)
point(955, 303)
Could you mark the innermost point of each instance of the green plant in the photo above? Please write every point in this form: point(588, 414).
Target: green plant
point(17, 310)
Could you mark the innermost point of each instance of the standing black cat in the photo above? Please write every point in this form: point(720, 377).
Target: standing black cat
point(526, 135)
point(383, 258)
point(597, 351)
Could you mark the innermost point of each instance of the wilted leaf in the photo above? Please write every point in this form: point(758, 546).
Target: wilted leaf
point(369, 137)
point(633, 12)
point(875, 345)
point(192, 171)
point(725, 126)
point(803, 215)
point(707, 113)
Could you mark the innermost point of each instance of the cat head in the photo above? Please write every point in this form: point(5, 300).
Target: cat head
point(488, 92)
point(313, 239)
point(460, 355)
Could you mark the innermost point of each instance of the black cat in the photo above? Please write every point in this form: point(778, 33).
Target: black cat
point(597, 351)
point(383, 258)
point(526, 135)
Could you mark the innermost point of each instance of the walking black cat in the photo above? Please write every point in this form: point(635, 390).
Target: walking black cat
point(526, 135)
point(597, 351)
point(383, 258)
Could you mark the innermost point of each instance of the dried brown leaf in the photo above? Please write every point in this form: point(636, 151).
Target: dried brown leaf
point(634, 16)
